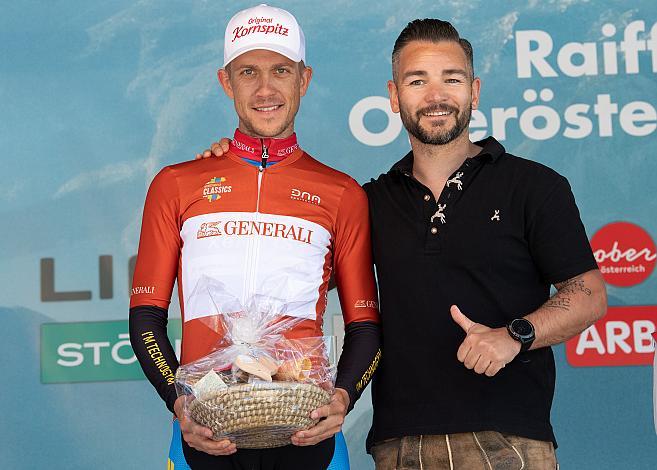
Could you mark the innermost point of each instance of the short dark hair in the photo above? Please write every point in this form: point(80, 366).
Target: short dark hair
point(430, 30)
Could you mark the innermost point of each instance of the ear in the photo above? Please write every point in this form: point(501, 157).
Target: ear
point(394, 96)
point(306, 76)
point(476, 89)
point(224, 79)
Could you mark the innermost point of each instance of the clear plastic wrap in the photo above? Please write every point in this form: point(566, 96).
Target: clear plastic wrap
point(257, 387)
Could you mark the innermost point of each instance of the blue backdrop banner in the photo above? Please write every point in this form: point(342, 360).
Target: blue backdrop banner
point(98, 96)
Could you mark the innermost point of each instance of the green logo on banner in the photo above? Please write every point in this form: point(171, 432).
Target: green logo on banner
point(93, 351)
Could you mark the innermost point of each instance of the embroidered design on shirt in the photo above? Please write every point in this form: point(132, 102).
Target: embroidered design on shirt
point(456, 180)
point(439, 213)
point(496, 216)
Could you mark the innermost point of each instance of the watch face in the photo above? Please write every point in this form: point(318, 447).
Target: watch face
point(522, 327)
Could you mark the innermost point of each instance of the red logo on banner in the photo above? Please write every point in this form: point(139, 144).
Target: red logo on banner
point(625, 253)
point(622, 338)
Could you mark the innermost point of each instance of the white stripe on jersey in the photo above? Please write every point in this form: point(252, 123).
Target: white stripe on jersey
point(252, 254)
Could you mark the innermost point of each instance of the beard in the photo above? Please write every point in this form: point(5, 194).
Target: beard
point(439, 133)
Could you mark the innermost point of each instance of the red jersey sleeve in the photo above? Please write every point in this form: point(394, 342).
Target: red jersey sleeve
point(352, 257)
point(159, 243)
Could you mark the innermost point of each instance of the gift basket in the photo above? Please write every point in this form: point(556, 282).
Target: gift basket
point(257, 388)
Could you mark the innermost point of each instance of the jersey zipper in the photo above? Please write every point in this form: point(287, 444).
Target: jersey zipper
point(265, 156)
point(254, 255)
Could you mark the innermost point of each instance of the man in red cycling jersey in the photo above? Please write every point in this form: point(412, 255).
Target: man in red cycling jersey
point(269, 212)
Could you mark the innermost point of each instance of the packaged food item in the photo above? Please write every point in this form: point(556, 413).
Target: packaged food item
point(258, 387)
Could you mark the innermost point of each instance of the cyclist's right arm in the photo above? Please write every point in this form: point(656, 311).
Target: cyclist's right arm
point(157, 265)
point(155, 273)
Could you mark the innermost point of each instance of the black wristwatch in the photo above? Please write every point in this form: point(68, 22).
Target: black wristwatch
point(522, 331)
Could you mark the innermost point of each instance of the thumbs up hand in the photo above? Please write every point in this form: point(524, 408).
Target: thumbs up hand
point(486, 350)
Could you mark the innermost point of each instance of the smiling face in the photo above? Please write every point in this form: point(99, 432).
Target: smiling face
point(434, 91)
point(267, 88)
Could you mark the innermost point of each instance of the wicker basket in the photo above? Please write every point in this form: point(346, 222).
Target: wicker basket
point(260, 415)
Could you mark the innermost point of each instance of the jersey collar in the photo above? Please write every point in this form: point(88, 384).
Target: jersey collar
point(249, 147)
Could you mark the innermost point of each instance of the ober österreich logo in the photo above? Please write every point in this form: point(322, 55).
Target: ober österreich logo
point(624, 252)
point(214, 188)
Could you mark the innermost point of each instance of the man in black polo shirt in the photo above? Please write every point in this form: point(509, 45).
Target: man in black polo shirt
point(467, 242)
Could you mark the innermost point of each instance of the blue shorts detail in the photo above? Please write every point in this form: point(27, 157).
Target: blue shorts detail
point(340, 455)
point(176, 458)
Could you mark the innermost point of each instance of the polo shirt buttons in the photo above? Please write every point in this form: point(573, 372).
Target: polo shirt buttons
point(434, 230)
point(427, 197)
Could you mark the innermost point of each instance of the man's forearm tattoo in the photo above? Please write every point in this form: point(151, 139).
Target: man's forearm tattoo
point(565, 290)
point(556, 302)
point(572, 286)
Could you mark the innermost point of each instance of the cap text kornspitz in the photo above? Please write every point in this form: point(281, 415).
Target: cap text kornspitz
point(242, 31)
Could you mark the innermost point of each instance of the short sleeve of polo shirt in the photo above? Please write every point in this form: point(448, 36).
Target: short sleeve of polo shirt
point(556, 235)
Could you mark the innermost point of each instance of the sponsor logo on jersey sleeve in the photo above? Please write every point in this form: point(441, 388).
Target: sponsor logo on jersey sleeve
point(142, 290)
point(366, 304)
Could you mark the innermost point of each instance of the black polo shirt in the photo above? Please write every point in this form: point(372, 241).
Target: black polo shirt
point(502, 231)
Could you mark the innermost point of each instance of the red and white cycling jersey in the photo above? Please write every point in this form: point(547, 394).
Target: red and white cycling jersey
point(287, 227)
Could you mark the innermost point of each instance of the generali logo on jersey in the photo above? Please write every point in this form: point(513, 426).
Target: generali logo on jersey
point(366, 304)
point(625, 253)
point(243, 228)
point(284, 152)
point(213, 189)
point(142, 290)
point(623, 337)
